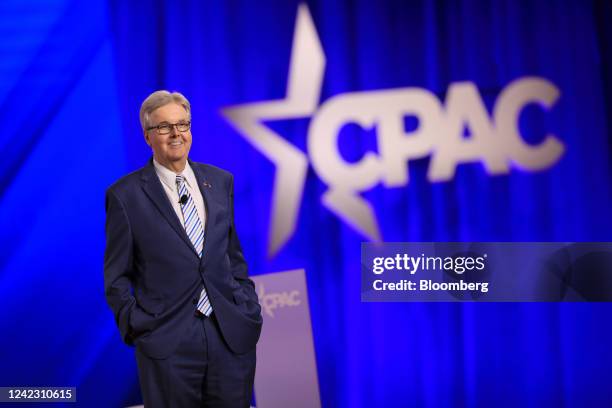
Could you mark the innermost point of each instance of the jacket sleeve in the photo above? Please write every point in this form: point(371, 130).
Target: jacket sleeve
point(118, 261)
point(238, 264)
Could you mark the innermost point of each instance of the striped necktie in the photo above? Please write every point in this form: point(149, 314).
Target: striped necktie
point(195, 232)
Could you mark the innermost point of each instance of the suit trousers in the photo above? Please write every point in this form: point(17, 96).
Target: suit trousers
point(202, 372)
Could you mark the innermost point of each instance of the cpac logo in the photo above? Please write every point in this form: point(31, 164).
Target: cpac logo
point(494, 141)
point(271, 301)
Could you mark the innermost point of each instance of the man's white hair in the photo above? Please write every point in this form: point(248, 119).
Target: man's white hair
point(158, 99)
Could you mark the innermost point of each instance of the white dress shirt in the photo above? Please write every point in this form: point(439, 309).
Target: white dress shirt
point(168, 180)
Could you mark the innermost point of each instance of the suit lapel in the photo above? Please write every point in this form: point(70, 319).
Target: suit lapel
point(205, 186)
point(155, 191)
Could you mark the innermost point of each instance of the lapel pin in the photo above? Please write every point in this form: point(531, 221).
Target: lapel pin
point(207, 184)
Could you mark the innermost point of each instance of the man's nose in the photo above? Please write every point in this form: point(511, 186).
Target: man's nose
point(174, 129)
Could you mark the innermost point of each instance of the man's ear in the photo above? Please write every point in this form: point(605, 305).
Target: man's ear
point(146, 136)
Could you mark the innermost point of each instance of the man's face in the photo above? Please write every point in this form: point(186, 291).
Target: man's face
point(170, 150)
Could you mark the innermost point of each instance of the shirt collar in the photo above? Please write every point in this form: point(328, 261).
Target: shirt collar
point(168, 177)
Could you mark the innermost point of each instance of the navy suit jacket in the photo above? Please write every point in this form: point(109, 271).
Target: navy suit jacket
point(153, 276)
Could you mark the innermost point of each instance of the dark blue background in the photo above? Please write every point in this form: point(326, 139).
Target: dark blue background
point(73, 75)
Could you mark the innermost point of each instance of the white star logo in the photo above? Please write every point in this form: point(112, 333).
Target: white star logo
point(495, 140)
point(303, 92)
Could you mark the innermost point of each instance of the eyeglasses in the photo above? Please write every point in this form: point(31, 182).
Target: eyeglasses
point(165, 128)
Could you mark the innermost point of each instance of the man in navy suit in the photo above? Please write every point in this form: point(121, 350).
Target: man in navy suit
point(174, 273)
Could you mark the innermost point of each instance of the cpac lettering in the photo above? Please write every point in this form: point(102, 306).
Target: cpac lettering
point(271, 301)
point(495, 142)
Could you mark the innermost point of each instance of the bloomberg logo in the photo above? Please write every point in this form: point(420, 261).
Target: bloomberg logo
point(494, 140)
